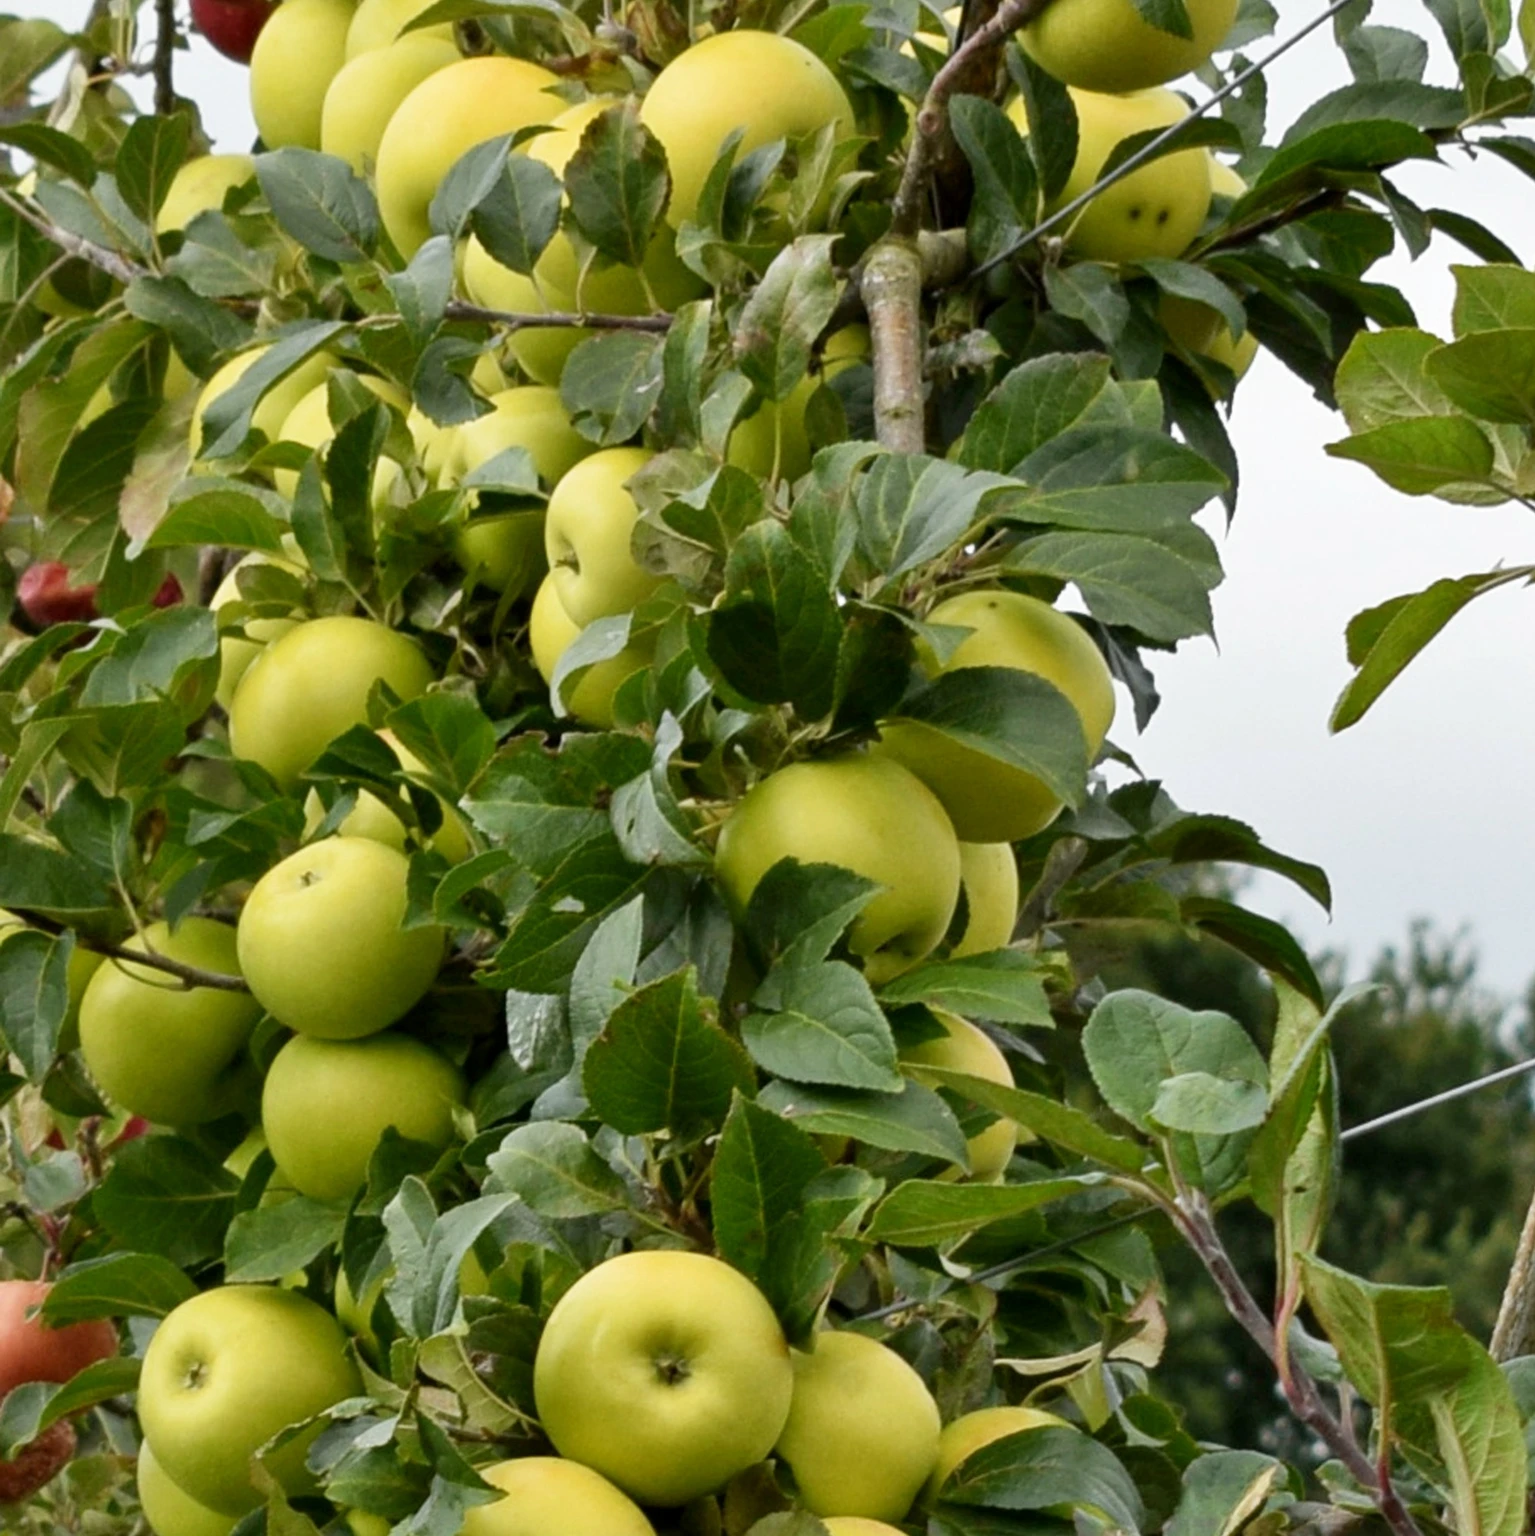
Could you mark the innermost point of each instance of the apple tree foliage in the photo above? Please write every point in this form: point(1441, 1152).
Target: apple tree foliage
point(1069, 443)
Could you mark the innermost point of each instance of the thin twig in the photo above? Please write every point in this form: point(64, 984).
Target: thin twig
point(97, 255)
point(933, 115)
point(165, 57)
point(189, 976)
point(558, 320)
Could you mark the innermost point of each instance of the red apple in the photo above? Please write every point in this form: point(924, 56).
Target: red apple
point(36, 1465)
point(46, 596)
point(32, 1351)
point(232, 26)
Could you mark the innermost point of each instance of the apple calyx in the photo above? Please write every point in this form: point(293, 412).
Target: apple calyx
point(673, 1370)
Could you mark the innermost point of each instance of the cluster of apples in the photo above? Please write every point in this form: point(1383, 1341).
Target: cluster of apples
point(659, 1377)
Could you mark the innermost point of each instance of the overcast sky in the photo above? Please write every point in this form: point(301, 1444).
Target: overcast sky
point(1424, 807)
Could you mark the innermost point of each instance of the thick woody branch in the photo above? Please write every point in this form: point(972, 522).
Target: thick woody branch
point(558, 320)
point(973, 59)
point(165, 57)
point(97, 255)
point(892, 294)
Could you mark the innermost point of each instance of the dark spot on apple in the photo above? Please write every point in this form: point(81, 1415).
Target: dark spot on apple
point(1135, 213)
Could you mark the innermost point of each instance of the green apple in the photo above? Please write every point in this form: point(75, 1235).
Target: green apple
point(445, 116)
point(772, 442)
point(224, 1372)
point(587, 534)
point(300, 51)
point(1200, 329)
point(761, 82)
point(361, 1523)
point(201, 184)
point(321, 942)
point(666, 1372)
point(370, 817)
point(856, 1525)
point(990, 801)
point(1154, 211)
point(310, 685)
point(169, 1509)
point(964, 1048)
point(309, 425)
point(869, 815)
point(274, 406)
point(367, 90)
point(550, 632)
point(968, 1433)
point(862, 1434)
point(377, 23)
point(173, 1054)
point(546, 1496)
point(1108, 45)
point(326, 1104)
point(237, 650)
point(989, 874)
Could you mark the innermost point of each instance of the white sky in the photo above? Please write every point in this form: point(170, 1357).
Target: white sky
point(1422, 808)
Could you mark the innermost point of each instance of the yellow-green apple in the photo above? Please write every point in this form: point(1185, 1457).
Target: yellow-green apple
point(379, 22)
point(1108, 45)
point(228, 1369)
point(169, 1509)
point(273, 408)
point(990, 801)
point(32, 1350)
point(370, 817)
point(1154, 211)
point(232, 26)
point(367, 90)
point(309, 424)
point(862, 1434)
point(587, 534)
point(300, 51)
point(326, 1104)
point(550, 633)
point(445, 116)
point(772, 442)
point(547, 1496)
point(856, 1525)
point(174, 1054)
point(1196, 326)
point(360, 1523)
point(666, 1372)
point(964, 1048)
point(761, 82)
point(322, 945)
point(237, 650)
point(310, 685)
point(202, 183)
point(869, 815)
point(989, 874)
point(968, 1433)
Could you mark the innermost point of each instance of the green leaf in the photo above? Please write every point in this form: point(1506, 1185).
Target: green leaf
point(207, 510)
point(1481, 1444)
point(1424, 456)
point(1384, 639)
point(1045, 1468)
point(1207, 839)
point(552, 1168)
point(1223, 1490)
point(164, 1195)
point(321, 202)
point(274, 1240)
point(785, 314)
point(50, 146)
point(227, 421)
point(1203, 1104)
point(216, 264)
point(913, 1120)
point(1090, 292)
point(518, 218)
point(929, 1213)
point(776, 633)
point(1139, 583)
point(449, 733)
point(798, 911)
point(1382, 379)
point(1014, 717)
point(1036, 402)
point(117, 1285)
point(199, 329)
point(148, 158)
point(618, 185)
point(821, 1025)
point(1006, 200)
point(912, 508)
point(1357, 146)
point(1135, 1041)
point(34, 996)
point(155, 659)
point(1054, 134)
point(36, 878)
point(761, 1170)
point(1170, 16)
point(662, 1062)
point(1261, 939)
point(36, 1405)
point(1489, 374)
point(611, 383)
point(1004, 986)
point(423, 289)
point(1493, 297)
